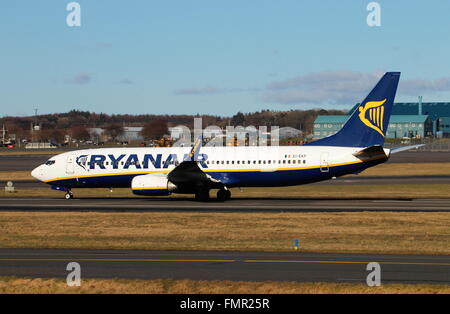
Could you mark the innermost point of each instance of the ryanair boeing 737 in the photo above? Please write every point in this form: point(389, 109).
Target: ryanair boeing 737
point(162, 171)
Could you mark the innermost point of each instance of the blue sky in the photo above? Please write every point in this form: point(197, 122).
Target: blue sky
point(217, 57)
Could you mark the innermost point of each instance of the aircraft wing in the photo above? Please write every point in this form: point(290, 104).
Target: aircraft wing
point(189, 176)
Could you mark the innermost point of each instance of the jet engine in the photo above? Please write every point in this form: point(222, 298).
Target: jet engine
point(154, 184)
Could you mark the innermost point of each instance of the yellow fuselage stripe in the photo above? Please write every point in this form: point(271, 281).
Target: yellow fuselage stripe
point(213, 170)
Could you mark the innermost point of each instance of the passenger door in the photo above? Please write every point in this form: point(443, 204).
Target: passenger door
point(324, 163)
point(70, 164)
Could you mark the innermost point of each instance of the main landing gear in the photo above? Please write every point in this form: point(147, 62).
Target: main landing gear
point(68, 195)
point(222, 195)
point(202, 196)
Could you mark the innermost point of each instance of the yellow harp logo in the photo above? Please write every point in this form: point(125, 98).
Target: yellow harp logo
point(372, 115)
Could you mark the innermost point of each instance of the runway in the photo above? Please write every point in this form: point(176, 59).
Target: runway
point(234, 205)
point(346, 180)
point(211, 265)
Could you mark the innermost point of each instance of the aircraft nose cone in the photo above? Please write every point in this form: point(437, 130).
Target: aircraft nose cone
point(37, 173)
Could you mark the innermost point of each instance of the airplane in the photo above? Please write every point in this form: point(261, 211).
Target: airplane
point(166, 170)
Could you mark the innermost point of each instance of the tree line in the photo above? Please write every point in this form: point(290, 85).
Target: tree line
point(76, 123)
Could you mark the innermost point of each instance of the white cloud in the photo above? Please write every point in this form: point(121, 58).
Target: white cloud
point(212, 91)
point(80, 79)
point(342, 87)
point(421, 86)
point(126, 81)
point(330, 87)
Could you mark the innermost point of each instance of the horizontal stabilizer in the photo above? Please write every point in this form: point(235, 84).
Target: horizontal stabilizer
point(396, 150)
point(371, 152)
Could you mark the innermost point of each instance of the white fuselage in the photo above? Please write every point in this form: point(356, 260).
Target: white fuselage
point(233, 166)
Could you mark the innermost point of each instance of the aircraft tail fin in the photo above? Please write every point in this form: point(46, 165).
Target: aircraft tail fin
point(368, 124)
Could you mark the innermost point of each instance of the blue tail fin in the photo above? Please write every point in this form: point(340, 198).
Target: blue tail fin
point(368, 124)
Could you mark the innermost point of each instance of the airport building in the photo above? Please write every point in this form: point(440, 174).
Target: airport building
point(129, 134)
point(413, 120)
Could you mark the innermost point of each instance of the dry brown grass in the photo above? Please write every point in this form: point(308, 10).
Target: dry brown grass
point(16, 176)
point(392, 191)
point(111, 286)
point(30, 152)
point(367, 232)
point(409, 169)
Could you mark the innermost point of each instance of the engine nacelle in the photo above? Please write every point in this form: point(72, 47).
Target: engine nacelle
point(155, 184)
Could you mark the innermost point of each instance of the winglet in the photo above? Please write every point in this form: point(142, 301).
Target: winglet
point(193, 155)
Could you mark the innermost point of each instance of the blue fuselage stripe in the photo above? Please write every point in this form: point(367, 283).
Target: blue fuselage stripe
point(231, 178)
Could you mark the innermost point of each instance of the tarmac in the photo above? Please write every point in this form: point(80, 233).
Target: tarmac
point(233, 205)
point(217, 265)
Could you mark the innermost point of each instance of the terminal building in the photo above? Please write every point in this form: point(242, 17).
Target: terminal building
point(412, 120)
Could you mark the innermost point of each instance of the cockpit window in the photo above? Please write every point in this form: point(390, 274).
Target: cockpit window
point(50, 162)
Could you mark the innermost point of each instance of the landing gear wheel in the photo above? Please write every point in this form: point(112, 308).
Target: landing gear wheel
point(228, 194)
point(223, 195)
point(68, 196)
point(202, 196)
